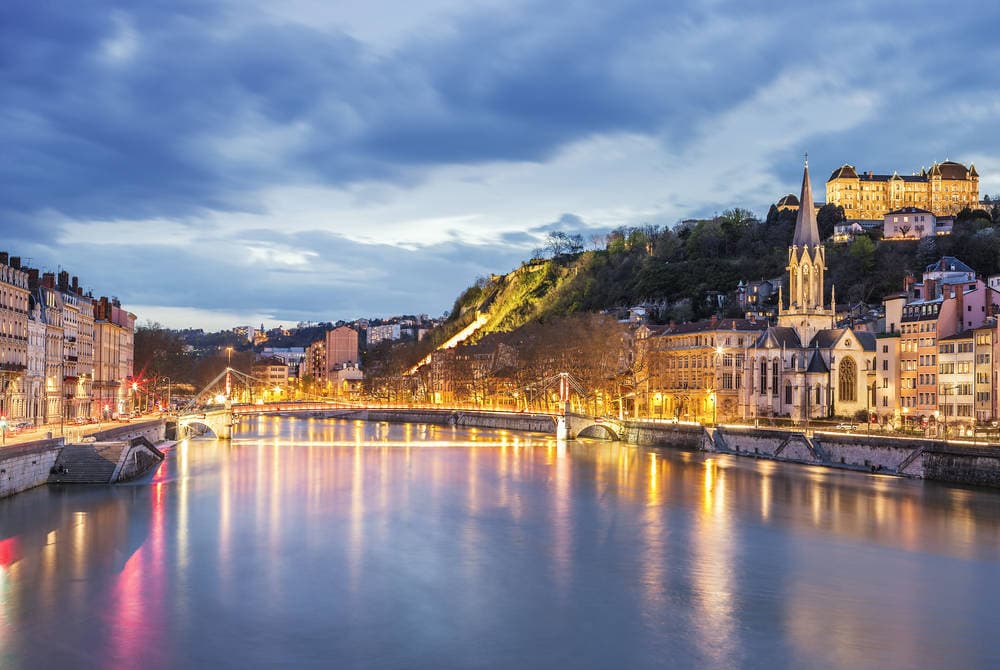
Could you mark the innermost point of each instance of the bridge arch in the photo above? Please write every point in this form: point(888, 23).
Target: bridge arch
point(599, 430)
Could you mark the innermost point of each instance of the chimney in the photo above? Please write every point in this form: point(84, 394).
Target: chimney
point(15, 262)
point(64, 281)
point(930, 289)
point(32, 278)
point(49, 280)
point(3, 258)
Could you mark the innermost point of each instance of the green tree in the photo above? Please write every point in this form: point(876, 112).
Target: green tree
point(828, 216)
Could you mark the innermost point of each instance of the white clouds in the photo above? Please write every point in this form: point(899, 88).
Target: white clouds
point(123, 44)
point(384, 153)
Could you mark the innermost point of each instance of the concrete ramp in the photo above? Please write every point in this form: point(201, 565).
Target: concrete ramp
point(104, 462)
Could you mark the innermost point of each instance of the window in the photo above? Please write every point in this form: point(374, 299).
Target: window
point(763, 377)
point(774, 376)
point(788, 393)
point(848, 380)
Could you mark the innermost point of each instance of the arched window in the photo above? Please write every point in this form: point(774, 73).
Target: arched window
point(788, 393)
point(847, 386)
point(763, 376)
point(774, 377)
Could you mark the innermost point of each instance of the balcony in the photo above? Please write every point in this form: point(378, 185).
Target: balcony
point(12, 367)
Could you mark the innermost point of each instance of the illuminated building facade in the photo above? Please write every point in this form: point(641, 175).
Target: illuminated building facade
point(946, 188)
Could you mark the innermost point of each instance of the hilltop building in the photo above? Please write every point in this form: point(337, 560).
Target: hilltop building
point(946, 188)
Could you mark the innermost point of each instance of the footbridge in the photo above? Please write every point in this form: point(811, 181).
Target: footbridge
point(218, 421)
point(582, 425)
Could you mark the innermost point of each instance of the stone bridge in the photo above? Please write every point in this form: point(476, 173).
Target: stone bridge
point(582, 425)
point(218, 421)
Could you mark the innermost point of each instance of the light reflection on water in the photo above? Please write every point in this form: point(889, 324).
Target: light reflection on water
point(321, 543)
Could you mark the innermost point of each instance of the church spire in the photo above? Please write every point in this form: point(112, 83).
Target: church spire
point(806, 230)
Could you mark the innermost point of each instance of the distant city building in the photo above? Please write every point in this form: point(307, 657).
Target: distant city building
point(946, 188)
point(270, 375)
point(389, 331)
point(291, 356)
point(341, 347)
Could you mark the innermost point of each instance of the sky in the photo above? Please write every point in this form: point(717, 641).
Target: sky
point(214, 164)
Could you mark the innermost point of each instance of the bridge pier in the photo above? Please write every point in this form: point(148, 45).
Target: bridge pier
point(562, 430)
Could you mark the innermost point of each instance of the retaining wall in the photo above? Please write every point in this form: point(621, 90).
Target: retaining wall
point(154, 431)
point(979, 466)
point(27, 465)
point(677, 435)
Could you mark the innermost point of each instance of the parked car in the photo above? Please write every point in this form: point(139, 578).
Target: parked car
point(847, 426)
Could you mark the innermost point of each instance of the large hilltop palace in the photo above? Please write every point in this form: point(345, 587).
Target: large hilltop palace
point(946, 188)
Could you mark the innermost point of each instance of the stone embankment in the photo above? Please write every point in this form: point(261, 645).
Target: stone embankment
point(113, 455)
point(906, 457)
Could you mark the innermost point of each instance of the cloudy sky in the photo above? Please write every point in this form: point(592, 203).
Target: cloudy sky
point(216, 164)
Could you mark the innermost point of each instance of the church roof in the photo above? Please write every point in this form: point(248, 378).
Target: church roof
point(806, 230)
point(866, 340)
point(777, 337)
point(817, 363)
point(826, 338)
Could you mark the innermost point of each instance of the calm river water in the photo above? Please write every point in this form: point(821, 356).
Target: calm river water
point(334, 544)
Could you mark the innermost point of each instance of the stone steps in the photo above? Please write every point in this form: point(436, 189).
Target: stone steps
point(87, 463)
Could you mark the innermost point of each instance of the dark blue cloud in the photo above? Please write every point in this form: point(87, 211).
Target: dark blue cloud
point(207, 105)
point(91, 137)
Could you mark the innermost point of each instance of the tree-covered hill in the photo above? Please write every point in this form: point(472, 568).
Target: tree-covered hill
point(681, 271)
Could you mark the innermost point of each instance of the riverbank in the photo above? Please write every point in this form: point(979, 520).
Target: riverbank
point(128, 449)
point(911, 457)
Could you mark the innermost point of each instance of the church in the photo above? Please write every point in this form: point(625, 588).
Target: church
point(803, 367)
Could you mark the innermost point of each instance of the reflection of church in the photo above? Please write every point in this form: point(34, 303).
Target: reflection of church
point(804, 367)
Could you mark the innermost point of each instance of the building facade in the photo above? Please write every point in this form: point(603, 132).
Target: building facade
point(946, 188)
point(14, 305)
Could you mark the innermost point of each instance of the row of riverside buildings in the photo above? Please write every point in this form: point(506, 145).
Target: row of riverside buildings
point(64, 355)
point(930, 360)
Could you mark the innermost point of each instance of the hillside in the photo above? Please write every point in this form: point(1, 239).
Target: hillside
point(682, 271)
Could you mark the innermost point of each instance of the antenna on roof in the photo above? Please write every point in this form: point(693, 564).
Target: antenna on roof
point(807, 159)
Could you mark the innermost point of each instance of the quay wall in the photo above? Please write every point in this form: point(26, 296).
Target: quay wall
point(27, 465)
point(681, 436)
point(979, 466)
point(155, 431)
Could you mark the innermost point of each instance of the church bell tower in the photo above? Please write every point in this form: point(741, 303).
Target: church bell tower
point(806, 270)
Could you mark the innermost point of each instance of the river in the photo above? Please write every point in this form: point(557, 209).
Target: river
point(339, 544)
